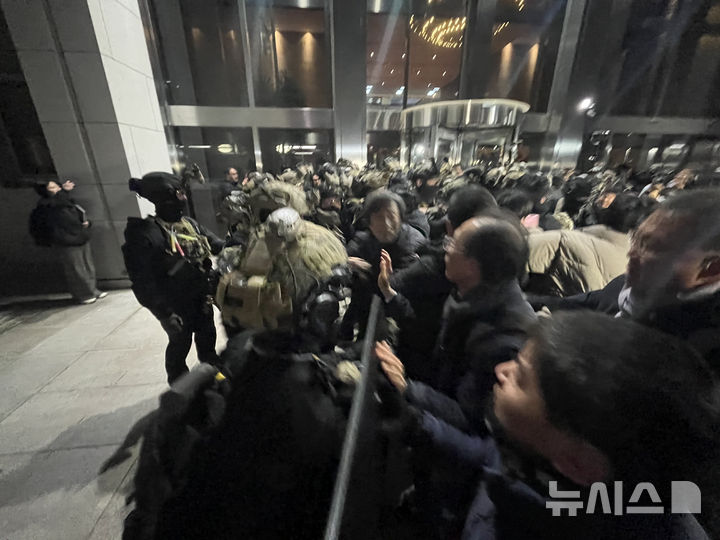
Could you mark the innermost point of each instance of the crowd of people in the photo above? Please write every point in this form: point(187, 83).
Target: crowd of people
point(543, 334)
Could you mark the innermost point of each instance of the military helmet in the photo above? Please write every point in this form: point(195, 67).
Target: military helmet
point(301, 257)
point(157, 187)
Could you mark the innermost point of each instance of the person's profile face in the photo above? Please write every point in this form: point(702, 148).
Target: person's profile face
point(661, 261)
point(385, 223)
point(458, 266)
point(518, 404)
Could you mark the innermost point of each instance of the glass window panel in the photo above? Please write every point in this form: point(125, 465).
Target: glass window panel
point(671, 60)
point(382, 145)
point(283, 148)
point(23, 148)
point(436, 38)
point(201, 49)
point(290, 55)
point(524, 48)
point(214, 150)
point(386, 57)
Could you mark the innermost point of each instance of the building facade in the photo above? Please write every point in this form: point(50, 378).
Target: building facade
point(101, 90)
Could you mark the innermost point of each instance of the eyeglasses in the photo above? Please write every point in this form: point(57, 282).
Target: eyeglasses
point(449, 245)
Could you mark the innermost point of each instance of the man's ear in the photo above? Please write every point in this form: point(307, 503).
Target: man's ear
point(709, 272)
point(582, 463)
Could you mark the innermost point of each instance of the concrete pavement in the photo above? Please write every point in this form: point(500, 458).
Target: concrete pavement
point(74, 380)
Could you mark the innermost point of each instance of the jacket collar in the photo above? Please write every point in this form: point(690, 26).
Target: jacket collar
point(482, 299)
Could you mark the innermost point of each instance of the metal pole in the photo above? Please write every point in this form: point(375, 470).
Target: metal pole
point(406, 81)
point(342, 480)
point(247, 57)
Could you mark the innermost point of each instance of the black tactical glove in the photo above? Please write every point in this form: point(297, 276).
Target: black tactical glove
point(172, 324)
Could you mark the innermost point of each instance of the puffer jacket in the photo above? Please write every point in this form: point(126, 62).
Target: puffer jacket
point(63, 218)
point(564, 263)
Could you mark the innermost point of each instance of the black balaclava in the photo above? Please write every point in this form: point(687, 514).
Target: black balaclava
point(161, 189)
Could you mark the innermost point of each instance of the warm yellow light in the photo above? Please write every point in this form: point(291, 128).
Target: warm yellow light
point(447, 33)
point(500, 28)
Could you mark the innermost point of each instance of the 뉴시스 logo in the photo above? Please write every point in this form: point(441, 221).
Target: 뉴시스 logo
point(685, 498)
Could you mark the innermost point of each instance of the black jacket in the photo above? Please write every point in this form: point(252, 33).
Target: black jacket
point(422, 291)
point(604, 300)
point(63, 219)
point(268, 470)
point(162, 281)
point(403, 250)
point(419, 221)
point(695, 321)
point(366, 246)
point(509, 506)
point(487, 327)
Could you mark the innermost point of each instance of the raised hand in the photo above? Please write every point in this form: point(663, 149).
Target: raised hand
point(391, 365)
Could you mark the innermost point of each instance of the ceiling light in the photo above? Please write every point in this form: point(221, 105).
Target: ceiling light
point(446, 33)
point(368, 89)
point(224, 148)
point(372, 53)
point(399, 91)
point(434, 56)
point(392, 71)
point(585, 104)
point(404, 56)
point(444, 73)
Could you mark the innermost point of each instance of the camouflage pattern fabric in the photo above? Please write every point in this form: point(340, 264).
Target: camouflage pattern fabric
point(565, 220)
point(290, 176)
point(235, 211)
point(273, 276)
point(375, 179)
point(299, 265)
point(253, 302)
point(274, 194)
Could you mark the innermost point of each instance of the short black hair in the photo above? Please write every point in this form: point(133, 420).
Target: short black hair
point(576, 192)
point(468, 202)
point(701, 209)
point(646, 399)
point(626, 212)
point(516, 201)
point(381, 199)
point(406, 191)
point(499, 245)
point(536, 185)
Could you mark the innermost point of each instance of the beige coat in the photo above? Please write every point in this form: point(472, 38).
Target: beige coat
point(563, 263)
